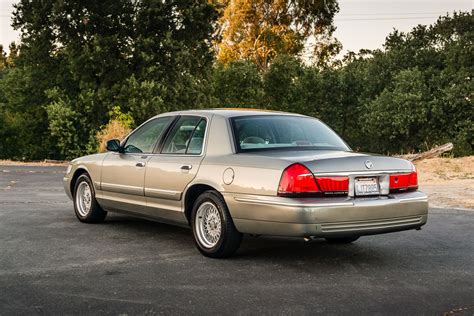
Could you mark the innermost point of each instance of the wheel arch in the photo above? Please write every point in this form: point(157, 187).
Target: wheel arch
point(77, 173)
point(192, 193)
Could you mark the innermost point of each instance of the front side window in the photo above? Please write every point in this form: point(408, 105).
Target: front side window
point(262, 132)
point(186, 137)
point(143, 139)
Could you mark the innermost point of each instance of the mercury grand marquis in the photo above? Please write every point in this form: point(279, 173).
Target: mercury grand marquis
point(227, 172)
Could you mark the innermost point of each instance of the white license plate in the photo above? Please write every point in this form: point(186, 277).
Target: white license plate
point(366, 186)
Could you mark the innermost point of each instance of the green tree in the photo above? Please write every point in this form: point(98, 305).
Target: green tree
point(237, 84)
point(263, 29)
point(282, 83)
point(398, 113)
point(147, 56)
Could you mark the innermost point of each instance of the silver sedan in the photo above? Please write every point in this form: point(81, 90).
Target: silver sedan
point(230, 172)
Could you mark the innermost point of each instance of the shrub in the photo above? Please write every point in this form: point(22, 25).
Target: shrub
point(119, 126)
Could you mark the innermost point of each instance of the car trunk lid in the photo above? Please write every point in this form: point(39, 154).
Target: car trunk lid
point(327, 161)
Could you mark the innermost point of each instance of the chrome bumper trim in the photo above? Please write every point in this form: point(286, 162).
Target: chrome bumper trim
point(370, 224)
point(422, 198)
point(327, 204)
point(265, 202)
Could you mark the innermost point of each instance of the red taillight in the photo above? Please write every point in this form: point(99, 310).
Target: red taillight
point(403, 181)
point(413, 180)
point(297, 179)
point(333, 184)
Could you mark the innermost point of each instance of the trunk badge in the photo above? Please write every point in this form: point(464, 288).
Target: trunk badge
point(369, 164)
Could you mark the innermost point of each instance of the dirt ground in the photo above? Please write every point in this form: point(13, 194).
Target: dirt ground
point(449, 182)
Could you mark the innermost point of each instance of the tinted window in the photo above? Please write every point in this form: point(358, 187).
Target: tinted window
point(281, 131)
point(143, 139)
point(186, 137)
point(197, 140)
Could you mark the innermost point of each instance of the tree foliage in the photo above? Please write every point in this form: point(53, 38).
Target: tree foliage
point(412, 95)
point(260, 30)
point(79, 59)
point(83, 67)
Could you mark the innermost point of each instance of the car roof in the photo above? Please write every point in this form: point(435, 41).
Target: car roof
point(230, 112)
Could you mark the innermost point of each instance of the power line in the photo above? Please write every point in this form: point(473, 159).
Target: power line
point(391, 13)
point(389, 18)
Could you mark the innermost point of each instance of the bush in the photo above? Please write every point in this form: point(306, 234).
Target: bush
point(63, 124)
point(118, 127)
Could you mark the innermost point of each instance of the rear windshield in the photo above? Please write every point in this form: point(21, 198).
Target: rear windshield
point(267, 132)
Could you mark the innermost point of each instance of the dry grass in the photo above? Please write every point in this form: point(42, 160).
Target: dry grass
point(113, 130)
point(33, 163)
point(449, 182)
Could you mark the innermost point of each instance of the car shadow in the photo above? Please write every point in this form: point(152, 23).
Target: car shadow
point(287, 248)
point(371, 250)
point(136, 226)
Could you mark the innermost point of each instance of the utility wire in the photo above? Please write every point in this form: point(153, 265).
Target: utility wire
point(392, 13)
point(388, 18)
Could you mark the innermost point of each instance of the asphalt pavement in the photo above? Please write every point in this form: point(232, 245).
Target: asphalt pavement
point(50, 263)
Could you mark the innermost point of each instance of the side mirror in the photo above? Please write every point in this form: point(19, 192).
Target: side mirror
point(113, 145)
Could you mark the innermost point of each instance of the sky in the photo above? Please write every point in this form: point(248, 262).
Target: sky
point(360, 23)
point(366, 23)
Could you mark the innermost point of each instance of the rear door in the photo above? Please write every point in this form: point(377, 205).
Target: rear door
point(123, 174)
point(174, 167)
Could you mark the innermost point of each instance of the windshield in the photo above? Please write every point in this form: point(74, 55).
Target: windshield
point(261, 132)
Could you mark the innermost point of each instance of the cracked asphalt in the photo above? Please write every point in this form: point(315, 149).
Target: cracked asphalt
point(50, 263)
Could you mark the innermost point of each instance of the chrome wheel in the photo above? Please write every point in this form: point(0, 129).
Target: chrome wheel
point(208, 224)
point(83, 198)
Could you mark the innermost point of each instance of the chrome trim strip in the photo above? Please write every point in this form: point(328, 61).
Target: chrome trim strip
point(360, 173)
point(420, 198)
point(165, 194)
point(371, 224)
point(120, 188)
point(351, 202)
point(264, 202)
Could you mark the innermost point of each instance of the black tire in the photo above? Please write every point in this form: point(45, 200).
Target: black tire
point(342, 240)
point(229, 240)
point(95, 214)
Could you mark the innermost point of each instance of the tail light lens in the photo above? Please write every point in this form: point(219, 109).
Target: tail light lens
point(333, 184)
point(404, 181)
point(297, 180)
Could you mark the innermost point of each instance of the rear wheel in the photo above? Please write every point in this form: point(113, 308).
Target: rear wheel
point(342, 240)
point(85, 205)
point(214, 232)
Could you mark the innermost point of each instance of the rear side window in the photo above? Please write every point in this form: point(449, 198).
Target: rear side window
point(186, 137)
point(269, 132)
point(143, 139)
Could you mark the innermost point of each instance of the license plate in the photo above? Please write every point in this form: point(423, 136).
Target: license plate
point(366, 186)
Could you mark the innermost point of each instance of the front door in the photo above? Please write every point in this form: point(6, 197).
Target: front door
point(123, 174)
point(169, 172)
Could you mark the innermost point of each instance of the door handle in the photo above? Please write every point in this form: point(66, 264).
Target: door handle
point(140, 164)
point(186, 167)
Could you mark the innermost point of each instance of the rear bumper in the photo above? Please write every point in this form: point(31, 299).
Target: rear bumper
point(327, 217)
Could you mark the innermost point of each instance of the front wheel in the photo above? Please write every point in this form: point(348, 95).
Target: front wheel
point(342, 240)
point(214, 232)
point(85, 205)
